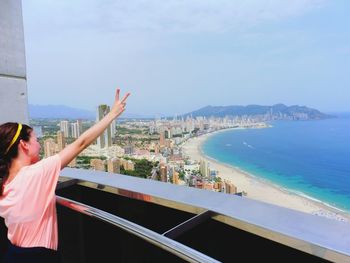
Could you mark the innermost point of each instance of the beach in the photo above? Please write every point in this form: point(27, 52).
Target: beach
point(258, 189)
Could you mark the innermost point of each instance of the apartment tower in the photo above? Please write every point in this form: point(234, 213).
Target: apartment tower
point(105, 140)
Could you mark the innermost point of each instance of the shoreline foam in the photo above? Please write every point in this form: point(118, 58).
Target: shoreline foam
point(261, 189)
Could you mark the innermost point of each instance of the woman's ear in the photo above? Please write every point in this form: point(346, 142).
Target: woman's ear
point(23, 145)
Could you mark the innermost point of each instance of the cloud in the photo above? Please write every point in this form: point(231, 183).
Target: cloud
point(168, 16)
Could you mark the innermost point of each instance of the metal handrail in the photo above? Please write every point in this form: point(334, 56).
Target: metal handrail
point(150, 236)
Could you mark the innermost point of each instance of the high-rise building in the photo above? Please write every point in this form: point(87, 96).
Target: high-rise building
point(162, 138)
point(230, 188)
point(105, 140)
point(167, 133)
point(113, 165)
point(64, 127)
point(129, 149)
point(189, 125)
point(97, 164)
point(49, 147)
point(175, 177)
point(163, 170)
point(130, 165)
point(113, 128)
point(61, 141)
point(75, 129)
point(201, 125)
point(204, 168)
point(208, 185)
point(80, 127)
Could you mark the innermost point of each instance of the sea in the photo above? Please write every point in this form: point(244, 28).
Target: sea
point(308, 158)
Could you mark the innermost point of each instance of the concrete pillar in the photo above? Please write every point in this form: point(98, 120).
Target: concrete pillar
point(13, 82)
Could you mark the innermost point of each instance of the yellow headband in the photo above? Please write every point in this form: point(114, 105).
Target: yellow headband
point(19, 128)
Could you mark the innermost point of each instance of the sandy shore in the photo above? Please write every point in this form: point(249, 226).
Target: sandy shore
point(258, 189)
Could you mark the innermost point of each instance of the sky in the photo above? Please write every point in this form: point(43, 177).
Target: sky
point(177, 56)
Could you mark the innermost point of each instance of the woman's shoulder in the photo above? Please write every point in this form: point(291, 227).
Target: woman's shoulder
point(47, 162)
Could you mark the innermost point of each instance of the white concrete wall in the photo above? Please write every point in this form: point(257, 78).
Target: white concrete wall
point(13, 84)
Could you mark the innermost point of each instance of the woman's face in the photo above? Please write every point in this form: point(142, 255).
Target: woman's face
point(34, 148)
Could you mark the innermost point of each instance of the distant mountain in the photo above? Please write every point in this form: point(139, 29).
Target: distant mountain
point(58, 112)
point(275, 112)
point(65, 112)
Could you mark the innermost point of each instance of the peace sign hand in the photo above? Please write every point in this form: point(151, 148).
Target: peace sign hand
point(119, 105)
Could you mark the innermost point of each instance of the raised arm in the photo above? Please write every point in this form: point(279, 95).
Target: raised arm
point(90, 135)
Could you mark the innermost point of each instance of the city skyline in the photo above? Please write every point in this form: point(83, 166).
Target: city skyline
point(175, 57)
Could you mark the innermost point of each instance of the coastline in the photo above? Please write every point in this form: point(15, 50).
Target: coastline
point(259, 189)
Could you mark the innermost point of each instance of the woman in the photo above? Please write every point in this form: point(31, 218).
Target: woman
point(27, 191)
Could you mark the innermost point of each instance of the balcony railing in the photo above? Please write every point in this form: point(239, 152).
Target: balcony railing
point(189, 216)
point(149, 236)
point(103, 216)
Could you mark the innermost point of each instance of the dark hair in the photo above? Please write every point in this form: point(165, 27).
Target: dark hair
point(7, 133)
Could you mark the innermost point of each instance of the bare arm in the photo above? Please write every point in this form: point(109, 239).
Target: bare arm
point(73, 149)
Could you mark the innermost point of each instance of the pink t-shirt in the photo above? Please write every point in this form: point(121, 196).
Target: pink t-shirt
point(28, 205)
